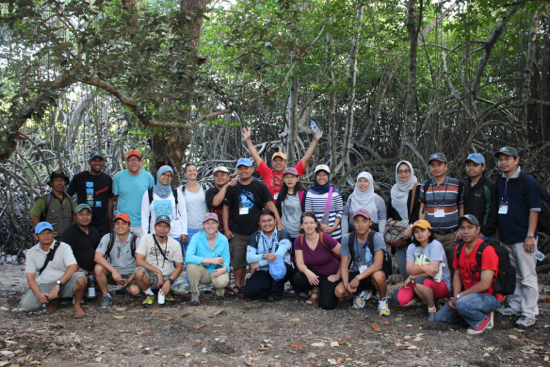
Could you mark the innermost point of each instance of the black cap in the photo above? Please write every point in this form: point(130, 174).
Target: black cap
point(162, 218)
point(470, 218)
point(437, 157)
point(95, 154)
point(56, 174)
point(508, 151)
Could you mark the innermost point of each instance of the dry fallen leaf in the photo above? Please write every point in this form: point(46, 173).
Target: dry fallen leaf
point(198, 326)
point(247, 363)
point(398, 319)
point(489, 348)
point(217, 325)
point(334, 344)
point(375, 327)
point(296, 319)
point(318, 344)
point(512, 337)
point(546, 359)
point(417, 340)
point(156, 311)
point(332, 361)
point(119, 317)
point(139, 346)
point(386, 322)
point(340, 360)
point(260, 349)
point(168, 318)
point(298, 345)
point(411, 347)
point(4, 363)
point(121, 308)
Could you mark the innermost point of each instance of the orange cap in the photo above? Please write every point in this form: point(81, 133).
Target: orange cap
point(133, 152)
point(125, 217)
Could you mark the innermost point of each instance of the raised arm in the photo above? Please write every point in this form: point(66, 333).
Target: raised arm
point(247, 135)
point(309, 153)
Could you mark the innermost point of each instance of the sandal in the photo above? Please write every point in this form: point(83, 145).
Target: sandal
point(228, 290)
point(314, 296)
point(236, 290)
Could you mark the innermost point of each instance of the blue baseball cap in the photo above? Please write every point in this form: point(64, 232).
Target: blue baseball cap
point(244, 162)
point(40, 227)
point(476, 158)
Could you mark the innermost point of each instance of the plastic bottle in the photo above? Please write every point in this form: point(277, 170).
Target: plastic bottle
point(91, 286)
point(313, 125)
point(539, 255)
point(161, 299)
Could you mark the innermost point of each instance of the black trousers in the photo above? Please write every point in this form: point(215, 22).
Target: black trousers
point(327, 299)
point(261, 285)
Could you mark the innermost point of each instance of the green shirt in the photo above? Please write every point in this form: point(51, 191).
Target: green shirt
point(60, 214)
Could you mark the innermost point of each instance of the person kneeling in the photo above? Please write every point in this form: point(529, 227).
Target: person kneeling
point(267, 252)
point(474, 301)
point(429, 276)
point(156, 255)
point(57, 273)
point(115, 259)
point(365, 248)
point(207, 259)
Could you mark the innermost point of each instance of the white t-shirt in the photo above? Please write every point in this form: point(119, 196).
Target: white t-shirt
point(56, 268)
point(196, 208)
point(159, 206)
point(172, 250)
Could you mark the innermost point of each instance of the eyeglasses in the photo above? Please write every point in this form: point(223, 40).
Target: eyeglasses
point(404, 172)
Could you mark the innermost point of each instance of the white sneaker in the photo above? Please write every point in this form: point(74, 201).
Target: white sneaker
point(383, 309)
point(508, 311)
point(491, 320)
point(360, 300)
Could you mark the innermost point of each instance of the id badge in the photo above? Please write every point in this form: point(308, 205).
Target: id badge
point(503, 209)
point(243, 210)
point(439, 213)
point(362, 268)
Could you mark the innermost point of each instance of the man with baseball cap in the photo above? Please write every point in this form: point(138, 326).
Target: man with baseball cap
point(273, 177)
point(243, 202)
point(95, 188)
point(365, 249)
point(478, 196)
point(128, 188)
point(519, 205)
point(473, 303)
point(51, 271)
point(115, 259)
point(215, 195)
point(440, 198)
point(159, 262)
point(56, 207)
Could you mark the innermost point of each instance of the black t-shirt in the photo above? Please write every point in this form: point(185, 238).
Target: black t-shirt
point(210, 193)
point(251, 198)
point(94, 191)
point(83, 245)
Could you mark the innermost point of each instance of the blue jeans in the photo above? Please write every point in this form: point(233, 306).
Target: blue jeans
point(488, 239)
point(470, 310)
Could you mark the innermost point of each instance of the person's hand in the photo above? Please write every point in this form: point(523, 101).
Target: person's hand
point(116, 277)
point(166, 287)
point(247, 134)
point(329, 230)
point(53, 293)
point(233, 182)
point(350, 289)
point(254, 266)
point(228, 234)
point(270, 257)
point(280, 227)
point(42, 297)
point(160, 278)
point(529, 244)
point(183, 238)
point(430, 270)
point(452, 303)
point(324, 227)
point(83, 271)
point(312, 278)
point(458, 236)
point(408, 281)
point(318, 135)
point(407, 233)
point(218, 272)
point(333, 278)
point(354, 283)
point(217, 260)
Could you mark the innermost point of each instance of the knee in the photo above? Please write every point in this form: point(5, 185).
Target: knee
point(328, 303)
point(139, 274)
point(81, 282)
point(340, 290)
point(419, 287)
point(133, 290)
point(379, 279)
point(99, 270)
point(220, 281)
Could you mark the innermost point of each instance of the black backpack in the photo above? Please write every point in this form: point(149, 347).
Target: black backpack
point(48, 200)
point(386, 266)
point(112, 243)
point(150, 194)
point(505, 279)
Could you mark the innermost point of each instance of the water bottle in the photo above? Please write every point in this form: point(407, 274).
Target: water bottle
point(539, 255)
point(162, 298)
point(91, 286)
point(313, 124)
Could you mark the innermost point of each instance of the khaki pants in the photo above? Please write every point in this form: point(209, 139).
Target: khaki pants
point(449, 244)
point(29, 302)
point(198, 274)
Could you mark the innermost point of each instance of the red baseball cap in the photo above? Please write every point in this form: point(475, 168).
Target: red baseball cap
point(125, 217)
point(133, 152)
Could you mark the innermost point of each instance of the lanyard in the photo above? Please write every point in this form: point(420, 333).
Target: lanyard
point(157, 253)
point(273, 236)
point(444, 194)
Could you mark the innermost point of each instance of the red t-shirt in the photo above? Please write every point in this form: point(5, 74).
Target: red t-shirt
point(489, 261)
point(274, 181)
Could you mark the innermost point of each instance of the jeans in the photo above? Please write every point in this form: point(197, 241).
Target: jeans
point(401, 255)
point(488, 239)
point(470, 309)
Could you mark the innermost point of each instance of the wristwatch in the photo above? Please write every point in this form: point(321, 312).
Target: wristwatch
point(263, 257)
point(59, 283)
point(530, 235)
point(458, 296)
point(171, 281)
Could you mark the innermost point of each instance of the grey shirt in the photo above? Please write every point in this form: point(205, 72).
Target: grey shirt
point(292, 211)
point(434, 252)
point(56, 268)
point(121, 254)
point(363, 255)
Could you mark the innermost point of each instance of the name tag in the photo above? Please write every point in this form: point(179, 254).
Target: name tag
point(439, 213)
point(243, 210)
point(503, 209)
point(362, 268)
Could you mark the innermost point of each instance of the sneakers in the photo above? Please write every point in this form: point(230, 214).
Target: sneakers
point(169, 299)
point(360, 300)
point(486, 324)
point(148, 301)
point(207, 289)
point(508, 311)
point(525, 322)
point(383, 309)
point(275, 297)
point(431, 316)
point(194, 299)
point(106, 301)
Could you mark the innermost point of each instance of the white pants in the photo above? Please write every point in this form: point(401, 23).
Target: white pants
point(136, 230)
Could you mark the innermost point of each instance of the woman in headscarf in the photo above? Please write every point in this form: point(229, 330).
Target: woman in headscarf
point(325, 201)
point(399, 206)
point(161, 200)
point(363, 197)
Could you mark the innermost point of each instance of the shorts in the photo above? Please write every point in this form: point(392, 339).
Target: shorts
point(111, 281)
point(364, 284)
point(402, 296)
point(178, 287)
point(29, 302)
point(237, 249)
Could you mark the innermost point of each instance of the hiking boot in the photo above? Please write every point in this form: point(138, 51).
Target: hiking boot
point(481, 328)
point(508, 311)
point(169, 299)
point(206, 288)
point(51, 306)
point(431, 316)
point(383, 309)
point(106, 301)
point(525, 322)
point(275, 297)
point(195, 299)
point(148, 301)
point(360, 300)
point(220, 298)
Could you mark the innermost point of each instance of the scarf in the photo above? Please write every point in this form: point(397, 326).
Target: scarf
point(163, 191)
point(321, 189)
point(364, 200)
point(400, 191)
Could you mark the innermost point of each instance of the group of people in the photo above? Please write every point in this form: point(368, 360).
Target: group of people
point(327, 249)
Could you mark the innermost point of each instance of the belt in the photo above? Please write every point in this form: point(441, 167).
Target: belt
point(443, 231)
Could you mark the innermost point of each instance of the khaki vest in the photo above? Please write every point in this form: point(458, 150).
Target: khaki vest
point(59, 215)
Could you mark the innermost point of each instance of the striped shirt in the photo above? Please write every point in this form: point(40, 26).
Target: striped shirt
point(446, 196)
point(317, 204)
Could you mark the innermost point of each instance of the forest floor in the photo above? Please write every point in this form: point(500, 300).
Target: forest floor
point(239, 332)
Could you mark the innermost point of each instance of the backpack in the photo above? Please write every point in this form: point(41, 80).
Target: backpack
point(505, 279)
point(112, 242)
point(48, 199)
point(150, 193)
point(387, 264)
point(544, 214)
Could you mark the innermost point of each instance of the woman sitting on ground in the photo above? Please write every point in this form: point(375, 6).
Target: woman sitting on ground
point(207, 259)
point(429, 277)
point(317, 259)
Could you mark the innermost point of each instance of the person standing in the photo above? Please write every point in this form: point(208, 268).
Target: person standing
point(518, 213)
point(195, 201)
point(56, 207)
point(243, 202)
point(273, 177)
point(441, 197)
point(128, 188)
point(215, 195)
point(95, 188)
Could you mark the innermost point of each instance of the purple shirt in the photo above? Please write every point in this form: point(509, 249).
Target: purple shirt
point(320, 261)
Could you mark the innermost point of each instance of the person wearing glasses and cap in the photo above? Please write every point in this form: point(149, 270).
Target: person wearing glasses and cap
point(56, 207)
point(95, 188)
point(128, 188)
point(273, 177)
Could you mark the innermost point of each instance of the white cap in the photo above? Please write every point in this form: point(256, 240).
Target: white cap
point(322, 167)
point(220, 168)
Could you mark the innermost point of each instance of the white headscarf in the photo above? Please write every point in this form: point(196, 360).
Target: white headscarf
point(400, 191)
point(364, 200)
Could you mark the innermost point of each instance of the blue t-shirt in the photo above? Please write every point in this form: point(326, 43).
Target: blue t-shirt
point(514, 225)
point(434, 252)
point(363, 256)
point(130, 190)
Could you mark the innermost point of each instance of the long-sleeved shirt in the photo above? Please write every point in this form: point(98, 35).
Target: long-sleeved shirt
point(317, 204)
point(199, 250)
point(159, 206)
point(259, 244)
